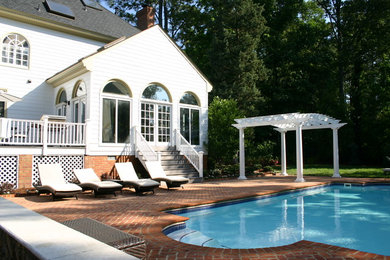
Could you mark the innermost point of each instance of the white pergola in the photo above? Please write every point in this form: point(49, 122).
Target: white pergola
point(291, 122)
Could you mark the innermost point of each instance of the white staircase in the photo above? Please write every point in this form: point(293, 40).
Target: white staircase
point(180, 160)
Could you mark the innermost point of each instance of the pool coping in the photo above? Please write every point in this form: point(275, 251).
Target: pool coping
point(302, 243)
point(145, 217)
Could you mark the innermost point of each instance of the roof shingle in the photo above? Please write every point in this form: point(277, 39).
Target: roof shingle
point(86, 18)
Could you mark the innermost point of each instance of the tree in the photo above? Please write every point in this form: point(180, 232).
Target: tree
point(223, 137)
point(170, 14)
point(235, 63)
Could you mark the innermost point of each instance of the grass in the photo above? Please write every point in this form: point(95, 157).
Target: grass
point(345, 171)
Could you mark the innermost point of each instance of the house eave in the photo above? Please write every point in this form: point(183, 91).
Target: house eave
point(67, 74)
point(53, 25)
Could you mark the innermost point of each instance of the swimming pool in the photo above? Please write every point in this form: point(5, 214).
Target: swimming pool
point(356, 217)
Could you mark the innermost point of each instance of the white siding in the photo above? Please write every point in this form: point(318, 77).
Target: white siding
point(143, 59)
point(51, 51)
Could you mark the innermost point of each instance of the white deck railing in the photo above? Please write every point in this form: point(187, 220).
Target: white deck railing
point(142, 147)
point(186, 149)
point(41, 133)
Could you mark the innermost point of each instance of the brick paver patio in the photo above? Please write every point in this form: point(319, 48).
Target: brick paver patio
point(142, 216)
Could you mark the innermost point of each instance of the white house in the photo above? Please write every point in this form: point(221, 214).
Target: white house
point(95, 90)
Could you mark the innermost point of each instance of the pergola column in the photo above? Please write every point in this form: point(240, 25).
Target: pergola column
point(283, 161)
point(299, 152)
point(242, 153)
point(336, 172)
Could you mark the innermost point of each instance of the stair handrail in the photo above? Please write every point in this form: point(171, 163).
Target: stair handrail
point(141, 145)
point(186, 149)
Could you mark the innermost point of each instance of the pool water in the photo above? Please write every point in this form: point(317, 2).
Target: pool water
point(356, 217)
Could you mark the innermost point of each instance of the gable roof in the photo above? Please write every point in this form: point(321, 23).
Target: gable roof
point(101, 25)
point(82, 66)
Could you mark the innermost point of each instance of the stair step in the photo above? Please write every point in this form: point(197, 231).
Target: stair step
point(171, 157)
point(173, 162)
point(187, 175)
point(169, 152)
point(176, 166)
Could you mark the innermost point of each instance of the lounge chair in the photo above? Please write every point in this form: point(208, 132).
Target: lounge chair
point(53, 181)
point(157, 173)
point(129, 178)
point(90, 181)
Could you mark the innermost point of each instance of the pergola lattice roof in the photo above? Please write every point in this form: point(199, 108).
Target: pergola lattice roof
point(289, 122)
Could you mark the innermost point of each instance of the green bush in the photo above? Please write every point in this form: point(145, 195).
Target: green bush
point(223, 142)
point(268, 169)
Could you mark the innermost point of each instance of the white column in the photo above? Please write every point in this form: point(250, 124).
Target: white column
point(283, 153)
point(336, 172)
point(242, 154)
point(45, 134)
point(299, 154)
point(201, 164)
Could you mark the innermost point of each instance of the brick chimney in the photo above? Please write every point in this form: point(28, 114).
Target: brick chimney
point(145, 17)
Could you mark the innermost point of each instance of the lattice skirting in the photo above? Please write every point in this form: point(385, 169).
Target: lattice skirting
point(9, 169)
point(68, 163)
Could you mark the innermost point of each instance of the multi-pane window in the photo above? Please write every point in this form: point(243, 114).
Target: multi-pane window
point(61, 103)
point(116, 113)
point(164, 124)
point(189, 118)
point(15, 50)
point(156, 115)
point(79, 106)
point(147, 121)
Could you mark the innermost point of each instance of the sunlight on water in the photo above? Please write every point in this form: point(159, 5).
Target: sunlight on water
point(354, 217)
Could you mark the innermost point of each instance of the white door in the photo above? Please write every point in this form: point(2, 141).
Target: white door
point(79, 111)
point(156, 123)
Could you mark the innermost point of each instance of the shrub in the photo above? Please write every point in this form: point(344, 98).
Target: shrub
point(6, 188)
point(223, 137)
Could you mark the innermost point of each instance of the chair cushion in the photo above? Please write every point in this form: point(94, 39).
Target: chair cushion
point(65, 187)
point(104, 184)
point(86, 175)
point(51, 174)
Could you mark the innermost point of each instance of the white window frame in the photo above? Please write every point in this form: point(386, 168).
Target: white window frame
point(17, 44)
point(190, 107)
point(116, 98)
point(156, 103)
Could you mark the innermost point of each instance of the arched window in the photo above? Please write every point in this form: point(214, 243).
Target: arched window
point(79, 92)
point(61, 103)
point(189, 118)
point(116, 113)
point(156, 115)
point(156, 92)
point(15, 50)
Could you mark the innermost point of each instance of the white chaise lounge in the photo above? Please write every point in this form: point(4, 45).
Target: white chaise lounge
point(90, 181)
point(157, 173)
point(53, 181)
point(129, 178)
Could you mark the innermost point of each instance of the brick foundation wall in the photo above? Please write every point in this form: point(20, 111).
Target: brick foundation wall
point(25, 171)
point(104, 166)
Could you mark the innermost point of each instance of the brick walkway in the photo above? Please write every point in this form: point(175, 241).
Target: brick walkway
point(142, 216)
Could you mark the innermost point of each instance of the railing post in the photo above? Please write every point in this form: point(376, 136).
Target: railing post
point(45, 135)
point(87, 135)
point(159, 156)
point(201, 164)
point(134, 129)
point(177, 135)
